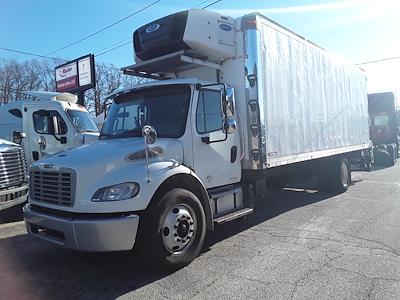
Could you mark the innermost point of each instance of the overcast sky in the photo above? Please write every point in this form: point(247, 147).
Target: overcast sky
point(358, 30)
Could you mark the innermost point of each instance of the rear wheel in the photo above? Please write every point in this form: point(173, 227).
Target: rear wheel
point(366, 163)
point(337, 176)
point(393, 154)
point(173, 231)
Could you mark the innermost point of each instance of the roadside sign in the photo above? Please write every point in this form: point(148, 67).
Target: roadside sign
point(76, 76)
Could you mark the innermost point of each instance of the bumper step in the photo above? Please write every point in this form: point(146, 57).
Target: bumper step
point(233, 215)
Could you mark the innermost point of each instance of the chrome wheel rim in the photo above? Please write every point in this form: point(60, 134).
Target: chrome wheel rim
point(179, 228)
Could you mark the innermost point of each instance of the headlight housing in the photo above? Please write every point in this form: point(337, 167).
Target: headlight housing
point(117, 192)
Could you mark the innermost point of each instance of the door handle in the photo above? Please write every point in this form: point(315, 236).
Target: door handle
point(35, 155)
point(233, 154)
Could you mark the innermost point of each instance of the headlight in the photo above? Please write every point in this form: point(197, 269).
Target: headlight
point(117, 192)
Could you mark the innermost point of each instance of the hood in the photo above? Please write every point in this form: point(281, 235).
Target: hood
point(90, 137)
point(4, 143)
point(115, 152)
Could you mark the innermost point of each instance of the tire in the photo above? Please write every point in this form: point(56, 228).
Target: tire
point(393, 155)
point(338, 179)
point(366, 164)
point(173, 231)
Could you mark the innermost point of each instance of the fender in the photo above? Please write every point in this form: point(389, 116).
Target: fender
point(183, 177)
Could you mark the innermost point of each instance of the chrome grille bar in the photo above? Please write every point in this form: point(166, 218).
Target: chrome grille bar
point(13, 167)
point(53, 187)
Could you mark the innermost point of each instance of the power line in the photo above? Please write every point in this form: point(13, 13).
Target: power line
point(52, 58)
point(31, 54)
point(105, 28)
point(112, 49)
point(98, 31)
point(215, 2)
point(201, 3)
point(378, 60)
point(114, 44)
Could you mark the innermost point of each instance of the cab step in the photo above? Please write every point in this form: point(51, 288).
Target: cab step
point(233, 215)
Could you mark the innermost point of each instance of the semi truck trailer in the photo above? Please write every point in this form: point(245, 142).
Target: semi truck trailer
point(234, 104)
point(384, 126)
point(46, 122)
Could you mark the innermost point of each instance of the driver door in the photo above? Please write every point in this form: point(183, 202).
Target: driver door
point(46, 125)
point(216, 163)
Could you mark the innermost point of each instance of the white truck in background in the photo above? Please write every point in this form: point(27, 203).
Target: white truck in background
point(13, 175)
point(47, 123)
point(238, 104)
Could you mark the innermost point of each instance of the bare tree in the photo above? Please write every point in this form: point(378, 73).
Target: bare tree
point(16, 77)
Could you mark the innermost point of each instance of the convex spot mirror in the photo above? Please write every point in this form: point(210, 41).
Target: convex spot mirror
point(42, 143)
point(18, 136)
point(230, 125)
point(150, 134)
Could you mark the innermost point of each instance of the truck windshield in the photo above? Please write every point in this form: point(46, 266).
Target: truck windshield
point(82, 121)
point(382, 120)
point(163, 107)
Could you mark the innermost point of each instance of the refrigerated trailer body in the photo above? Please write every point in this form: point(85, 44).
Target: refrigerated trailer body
point(237, 104)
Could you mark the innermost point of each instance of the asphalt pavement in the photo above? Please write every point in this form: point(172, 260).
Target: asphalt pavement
point(299, 244)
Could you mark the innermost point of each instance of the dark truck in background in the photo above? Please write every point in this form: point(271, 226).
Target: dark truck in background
point(384, 127)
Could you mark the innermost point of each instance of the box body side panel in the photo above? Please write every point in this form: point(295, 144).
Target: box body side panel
point(312, 101)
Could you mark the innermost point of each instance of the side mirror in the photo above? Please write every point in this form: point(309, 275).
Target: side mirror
point(42, 143)
point(18, 136)
point(63, 140)
point(54, 130)
point(230, 101)
point(150, 134)
point(230, 125)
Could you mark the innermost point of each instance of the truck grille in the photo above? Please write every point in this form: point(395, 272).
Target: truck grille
point(53, 187)
point(13, 167)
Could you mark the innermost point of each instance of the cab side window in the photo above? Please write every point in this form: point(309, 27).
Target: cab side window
point(49, 122)
point(209, 115)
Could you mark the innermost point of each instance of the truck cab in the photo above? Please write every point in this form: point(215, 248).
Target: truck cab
point(46, 124)
point(384, 126)
point(193, 156)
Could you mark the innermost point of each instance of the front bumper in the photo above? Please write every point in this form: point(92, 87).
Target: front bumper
point(115, 233)
point(13, 197)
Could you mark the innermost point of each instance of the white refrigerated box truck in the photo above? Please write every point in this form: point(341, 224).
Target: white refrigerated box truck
point(46, 123)
point(236, 103)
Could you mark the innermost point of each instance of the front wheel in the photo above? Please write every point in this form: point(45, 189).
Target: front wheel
point(173, 231)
